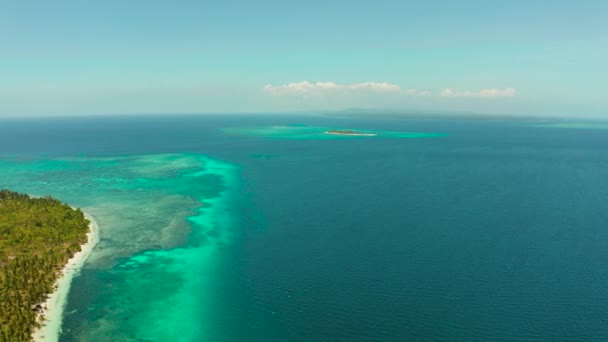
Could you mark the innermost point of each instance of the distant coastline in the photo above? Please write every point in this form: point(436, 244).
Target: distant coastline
point(51, 315)
point(350, 132)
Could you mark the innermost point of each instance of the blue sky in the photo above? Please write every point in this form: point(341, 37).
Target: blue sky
point(119, 57)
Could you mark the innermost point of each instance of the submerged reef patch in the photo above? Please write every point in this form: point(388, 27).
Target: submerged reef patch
point(304, 132)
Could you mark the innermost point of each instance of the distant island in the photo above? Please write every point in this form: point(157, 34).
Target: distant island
point(349, 132)
point(38, 237)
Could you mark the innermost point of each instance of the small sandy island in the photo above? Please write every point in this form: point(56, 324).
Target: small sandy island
point(52, 308)
point(350, 132)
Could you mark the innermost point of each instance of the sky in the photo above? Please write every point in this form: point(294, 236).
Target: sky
point(533, 57)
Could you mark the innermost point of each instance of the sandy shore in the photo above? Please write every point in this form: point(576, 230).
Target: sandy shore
point(55, 303)
point(353, 134)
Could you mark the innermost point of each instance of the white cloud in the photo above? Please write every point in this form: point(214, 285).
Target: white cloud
point(483, 93)
point(310, 88)
point(306, 88)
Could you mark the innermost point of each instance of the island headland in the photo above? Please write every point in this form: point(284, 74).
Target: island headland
point(43, 243)
point(350, 132)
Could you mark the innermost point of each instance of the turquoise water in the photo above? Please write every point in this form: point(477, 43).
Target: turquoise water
point(305, 132)
point(165, 220)
point(494, 230)
point(576, 125)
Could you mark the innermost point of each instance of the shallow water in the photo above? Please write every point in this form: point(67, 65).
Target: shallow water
point(164, 219)
point(305, 132)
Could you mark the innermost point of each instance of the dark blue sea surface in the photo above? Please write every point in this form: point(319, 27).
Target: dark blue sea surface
point(496, 230)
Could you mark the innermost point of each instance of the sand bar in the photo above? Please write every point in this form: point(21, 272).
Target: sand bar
point(52, 308)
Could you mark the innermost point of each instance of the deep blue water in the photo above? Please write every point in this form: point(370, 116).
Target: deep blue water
point(496, 231)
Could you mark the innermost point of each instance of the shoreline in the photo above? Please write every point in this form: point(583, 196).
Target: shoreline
point(353, 134)
point(52, 307)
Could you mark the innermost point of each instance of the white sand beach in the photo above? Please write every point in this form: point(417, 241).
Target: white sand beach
point(357, 134)
point(52, 308)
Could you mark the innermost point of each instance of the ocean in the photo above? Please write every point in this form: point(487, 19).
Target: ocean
point(261, 228)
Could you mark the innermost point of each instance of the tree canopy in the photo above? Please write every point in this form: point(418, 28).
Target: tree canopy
point(37, 238)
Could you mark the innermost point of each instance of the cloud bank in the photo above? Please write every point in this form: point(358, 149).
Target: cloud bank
point(310, 88)
point(306, 88)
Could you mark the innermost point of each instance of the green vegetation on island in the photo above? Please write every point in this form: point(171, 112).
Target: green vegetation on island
point(37, 238)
